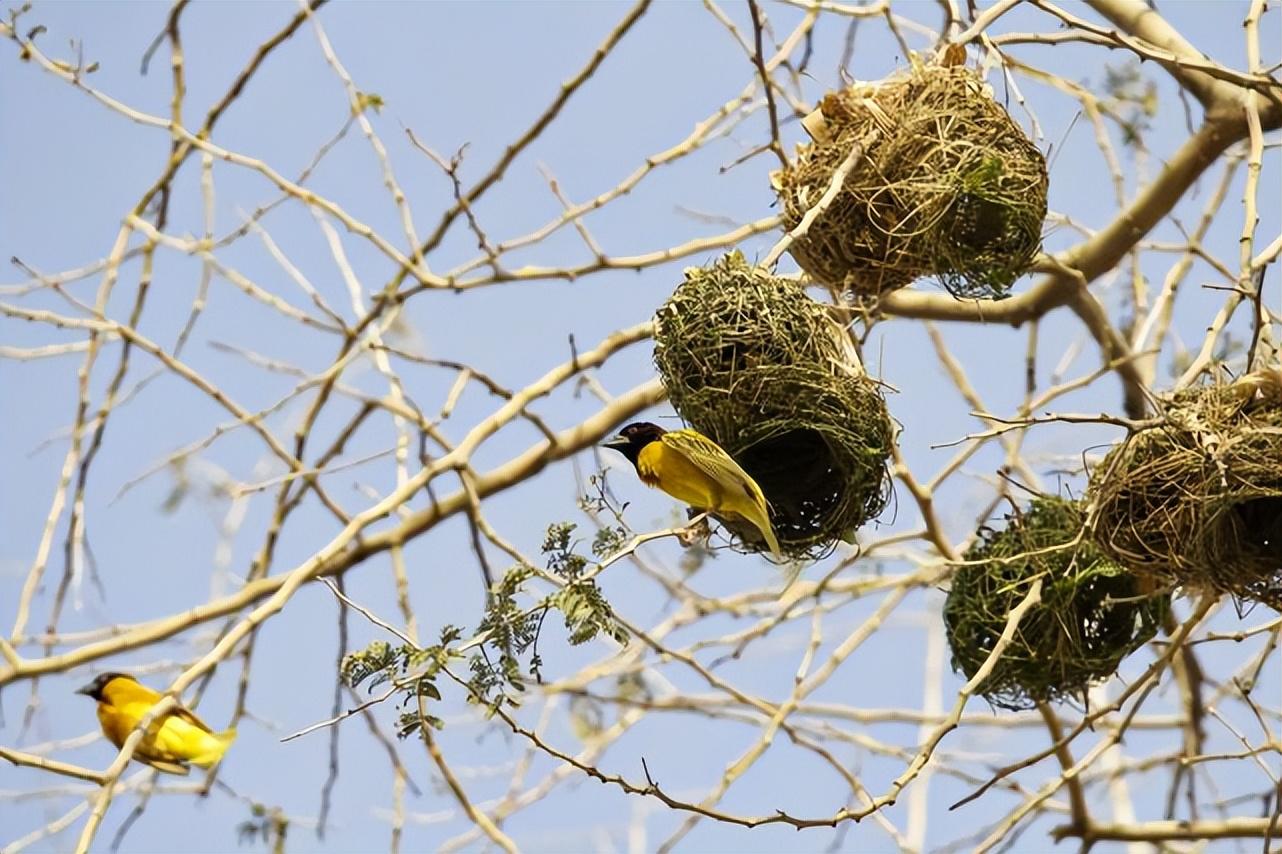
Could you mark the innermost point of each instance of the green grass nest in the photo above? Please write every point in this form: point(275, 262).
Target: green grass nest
point(1197, 500)
point(948, 185)
point(1089, 617)
point(752, 362)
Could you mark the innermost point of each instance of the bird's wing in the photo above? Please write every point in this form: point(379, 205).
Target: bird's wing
point(174, 768)
point(190, 717)
point(180, 719)
point(136, 694)
point(711, 459)
point(180, 740)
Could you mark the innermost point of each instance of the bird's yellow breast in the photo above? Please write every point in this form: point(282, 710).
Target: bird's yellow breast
point(669, 470)
point(118, 722)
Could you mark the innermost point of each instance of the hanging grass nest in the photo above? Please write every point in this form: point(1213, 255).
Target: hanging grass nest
point(752, 362)
point(1091, 614)
point(947, 185)
point(1197, 500)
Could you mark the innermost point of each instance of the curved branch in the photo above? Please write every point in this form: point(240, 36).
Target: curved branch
point(1090, 258)
point(515, 471)
point(1207, 81)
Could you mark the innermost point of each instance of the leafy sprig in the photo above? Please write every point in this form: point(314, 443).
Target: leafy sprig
point(503, 654)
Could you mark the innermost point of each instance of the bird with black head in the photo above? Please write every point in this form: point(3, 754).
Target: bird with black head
point(173, 741)
point(696, 470)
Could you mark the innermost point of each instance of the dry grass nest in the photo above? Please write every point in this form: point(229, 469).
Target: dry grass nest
point(752, 362)
point(948, 185)
point(1197, 500)
point(1091, 614)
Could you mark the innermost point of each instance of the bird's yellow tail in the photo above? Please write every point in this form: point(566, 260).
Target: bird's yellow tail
point(216, 745)
point(771, 540)
point(760, 520)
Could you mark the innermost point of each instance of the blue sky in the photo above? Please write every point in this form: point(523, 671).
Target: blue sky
point(476, 75)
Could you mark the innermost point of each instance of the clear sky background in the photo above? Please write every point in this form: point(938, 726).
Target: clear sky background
point(477, 74)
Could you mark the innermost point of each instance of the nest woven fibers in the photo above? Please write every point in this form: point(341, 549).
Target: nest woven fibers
point(946, 185)
point(1091, 614)
point(749, 360)
point(1197, 500)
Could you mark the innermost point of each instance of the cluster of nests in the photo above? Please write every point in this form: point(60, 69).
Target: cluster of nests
point(925, 175)
point(1193, 501)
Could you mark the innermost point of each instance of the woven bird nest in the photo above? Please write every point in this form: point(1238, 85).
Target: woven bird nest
point(1091, 614)
point(1197, 500)
point(947, 185)
point(752, 362)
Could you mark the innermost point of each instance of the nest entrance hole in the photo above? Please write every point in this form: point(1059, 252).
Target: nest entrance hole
point(799, 476)
point(1258, 522)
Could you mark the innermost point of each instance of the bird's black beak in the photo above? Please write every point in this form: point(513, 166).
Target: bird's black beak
point(618, 443)
point(88, 690)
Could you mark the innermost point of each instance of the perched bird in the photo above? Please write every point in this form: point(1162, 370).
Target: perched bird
point(177, 738)
point(692, 468)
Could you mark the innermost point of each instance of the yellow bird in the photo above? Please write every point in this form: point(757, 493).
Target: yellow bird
point(692, 468)
point(178, 737)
